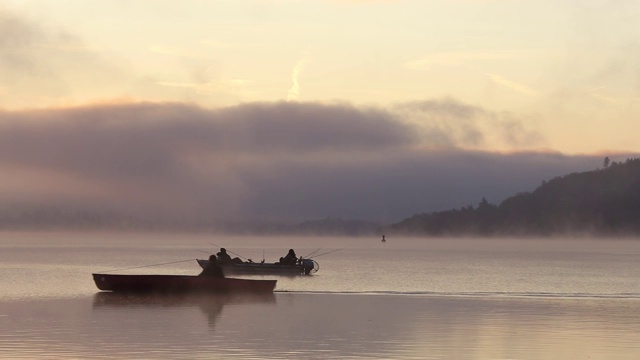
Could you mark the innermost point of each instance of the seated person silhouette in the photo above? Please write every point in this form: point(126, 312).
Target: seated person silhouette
point(224, 258)
point(289, 259)
point(212, 269)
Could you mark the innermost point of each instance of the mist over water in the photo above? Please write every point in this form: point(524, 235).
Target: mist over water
point(557, 267)
point(178, 166)
point(403, 299)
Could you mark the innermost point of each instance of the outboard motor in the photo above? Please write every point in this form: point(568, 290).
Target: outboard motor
point(308, 266)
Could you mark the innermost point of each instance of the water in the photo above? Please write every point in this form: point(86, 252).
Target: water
point(403, 299)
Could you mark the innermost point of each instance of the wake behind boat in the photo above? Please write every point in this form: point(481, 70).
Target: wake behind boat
point(180, 283)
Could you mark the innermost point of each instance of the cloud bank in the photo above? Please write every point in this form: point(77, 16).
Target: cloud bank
point(266, 161)
point(41, 64)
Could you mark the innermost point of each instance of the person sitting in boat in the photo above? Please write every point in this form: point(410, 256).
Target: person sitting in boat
point(212, 269)
point(224, 258)
point(290, 259)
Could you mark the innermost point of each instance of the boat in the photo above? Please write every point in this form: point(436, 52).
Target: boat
point(180, 283)
point(304, 267)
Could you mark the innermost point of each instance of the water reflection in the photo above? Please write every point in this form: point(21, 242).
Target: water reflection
point(318, 326)
point(210, 304)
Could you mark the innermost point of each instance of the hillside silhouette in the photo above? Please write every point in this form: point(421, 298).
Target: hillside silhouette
point(600, 202)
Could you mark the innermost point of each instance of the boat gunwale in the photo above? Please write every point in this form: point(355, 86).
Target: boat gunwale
point(179, 283)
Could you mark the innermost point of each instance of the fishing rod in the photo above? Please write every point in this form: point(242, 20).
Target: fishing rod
point(238, 255)
point(307, 256)
point(328, 252)
point(144, 266)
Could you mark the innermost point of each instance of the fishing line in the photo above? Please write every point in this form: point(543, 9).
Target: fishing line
point(308, 256)
point(329, 252)
point(144, 266)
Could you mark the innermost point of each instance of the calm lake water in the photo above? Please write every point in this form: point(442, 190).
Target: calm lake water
point(408, 298)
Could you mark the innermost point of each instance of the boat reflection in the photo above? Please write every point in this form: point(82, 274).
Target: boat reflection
point(210, 304)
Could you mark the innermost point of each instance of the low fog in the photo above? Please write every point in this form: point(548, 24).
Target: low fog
point(268, 161)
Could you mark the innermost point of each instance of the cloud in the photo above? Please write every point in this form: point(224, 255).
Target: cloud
point(295, 87)
point(447, 122)
point(39, 64)
point(523, 89)
point(208, 87)
point(456, 59)
point(175, 158)
point(17, 36)
point(291, 161)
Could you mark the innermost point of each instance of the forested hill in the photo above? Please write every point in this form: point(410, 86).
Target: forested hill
point(601, 202)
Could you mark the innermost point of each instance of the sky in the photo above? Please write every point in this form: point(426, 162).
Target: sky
point(298, 109)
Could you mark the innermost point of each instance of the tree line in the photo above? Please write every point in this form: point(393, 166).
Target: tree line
point(605, 201)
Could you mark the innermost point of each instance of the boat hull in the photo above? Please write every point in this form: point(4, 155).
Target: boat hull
point(180, 283)
point(263, 268)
